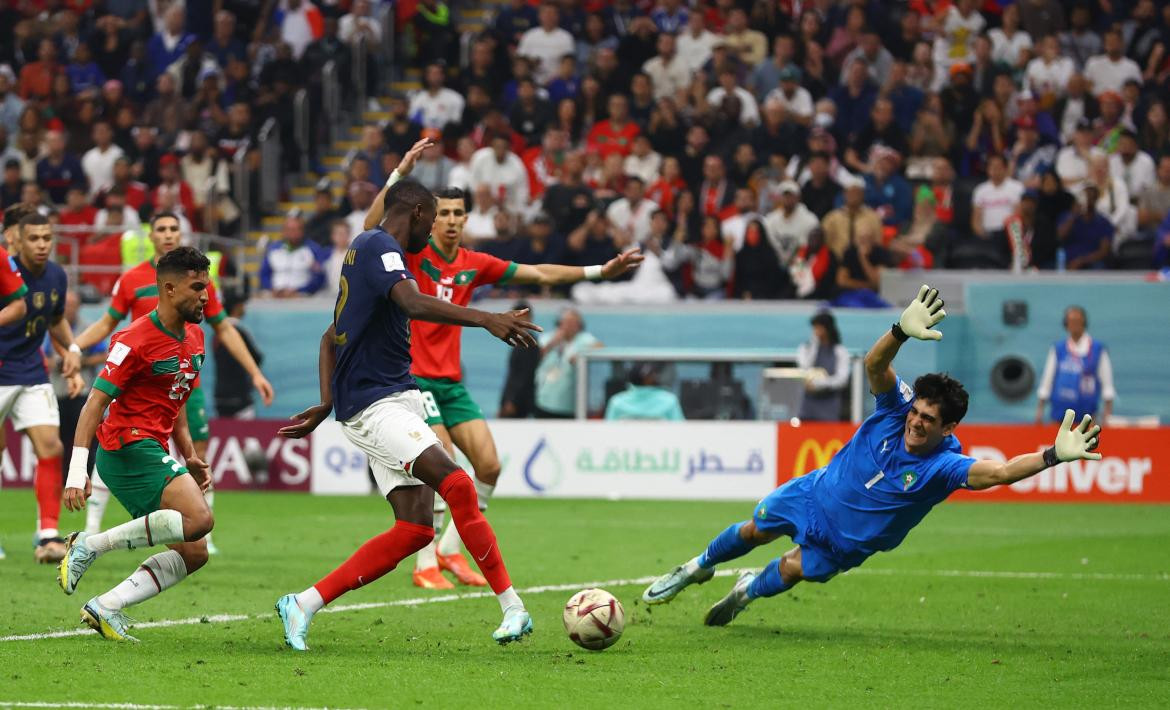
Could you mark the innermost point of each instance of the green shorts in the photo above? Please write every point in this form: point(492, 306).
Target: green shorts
point(137, 473)
point(447, 402)
point(197, 415)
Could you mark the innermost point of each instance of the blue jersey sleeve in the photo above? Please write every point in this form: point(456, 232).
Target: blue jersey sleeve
point(897, 401)
point(952, 469)
point(384, 263)
point(62, 287)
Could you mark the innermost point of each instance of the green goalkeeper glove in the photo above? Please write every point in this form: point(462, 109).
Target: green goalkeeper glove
point(1077, 442)
point(922, 314)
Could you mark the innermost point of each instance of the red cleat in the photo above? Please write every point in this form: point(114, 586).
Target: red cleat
point(431, 578)
point(458, 565)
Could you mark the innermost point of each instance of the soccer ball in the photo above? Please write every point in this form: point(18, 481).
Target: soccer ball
point(594, 619)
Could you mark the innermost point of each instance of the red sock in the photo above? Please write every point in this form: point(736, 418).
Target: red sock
point(375, 558)
point(48, 487)
point(463, 502)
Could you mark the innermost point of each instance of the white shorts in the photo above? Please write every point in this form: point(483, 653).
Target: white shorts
point(29, 405)
point(393, 433)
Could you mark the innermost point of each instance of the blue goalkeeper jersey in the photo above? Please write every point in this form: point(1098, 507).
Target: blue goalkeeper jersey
point(372, 333)
point(874, 491)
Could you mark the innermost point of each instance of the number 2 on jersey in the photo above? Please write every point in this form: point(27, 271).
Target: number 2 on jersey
point(342, 296)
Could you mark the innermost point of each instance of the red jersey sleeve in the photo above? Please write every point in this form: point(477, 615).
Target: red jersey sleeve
point(11, 283)
point(489, 269)
point(214, 310)
point(122, 364)
point(121, 300)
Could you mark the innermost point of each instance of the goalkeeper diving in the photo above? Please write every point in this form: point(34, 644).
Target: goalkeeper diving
point(902, 461)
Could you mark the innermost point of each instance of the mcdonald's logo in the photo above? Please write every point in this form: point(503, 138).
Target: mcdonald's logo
point(821, 454)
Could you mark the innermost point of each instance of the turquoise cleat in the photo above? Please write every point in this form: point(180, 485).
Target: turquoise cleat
point(515, 626)
point(296, 622)
point(670, 584)
point(76, 561)
point(112, 624)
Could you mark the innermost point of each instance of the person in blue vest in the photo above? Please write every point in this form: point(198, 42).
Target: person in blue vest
point(1077, 375)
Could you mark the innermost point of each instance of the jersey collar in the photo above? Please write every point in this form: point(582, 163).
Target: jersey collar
point(435, 248)
point(159, 324)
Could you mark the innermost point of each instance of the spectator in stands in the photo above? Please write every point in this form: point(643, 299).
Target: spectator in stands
point(460, 176)
point(994, 201)
point(361, 195)
point(1114, 201)
point(670, 16)
point(715, 193)
point(433, 169)
point(879, 62)
point(880, 130)
point(531, 114)
point(1153, 203)
point(360, 25)
point(556, 376)
point(1030, 159)
point(789, 224)
point(566, 85)
point(373, 152)
point(859, 275)
point(669, 71)
point(513, 20)
point(543, 161)
point(503, 170)
point(1078, 106)
point(854, 99)
point(78, 217)
point(171, 41)
point(58, 170)
point(401, 131)
point(1032, 235)
point(1010, 45)
point(1078, 374)
point(84, 75)
point(643, 161)
point(758, 273)
point(481, 218)
point(437, 37)
point(569, 200)
point(299, 23)
point(886, 190)
point(36, 78)
point(630, 215)
point(338, 247)
point(546, 43)
point(292, 267)
point(826, 364)
point(116, 215)
point(1085, 234)
point(736, 218)
point(224, 45)
point(98, 161)
point(749, 110)
point(1133, 166)
point(616, 133)
point(1109, 71)
point(325, 214)
point(853, 217)
point(696, 42)
point(12, 184)
point(11, 105)
point(174, 191)
point(435, 105)
point(597, 37)
point(796, 100)
point(645, 399)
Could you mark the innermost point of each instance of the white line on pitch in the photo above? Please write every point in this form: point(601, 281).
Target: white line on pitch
point(135, 706)
point(418, 601)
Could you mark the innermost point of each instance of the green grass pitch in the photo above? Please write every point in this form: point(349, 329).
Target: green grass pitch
point(984, 606)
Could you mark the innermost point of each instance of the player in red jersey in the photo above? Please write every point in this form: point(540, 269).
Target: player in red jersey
point(12, 290)
point(136, 294)
point(148, 376)
point(448, 271)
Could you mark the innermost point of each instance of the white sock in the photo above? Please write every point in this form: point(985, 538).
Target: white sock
point(162, 527)
point(310, 600)
point(158, 572)
point(209, 496)
point(426, 559)
point(509, 599)
point(48, 533)
point(450, 543)
point(485, 491)
point(95, 507)
point(426, 556)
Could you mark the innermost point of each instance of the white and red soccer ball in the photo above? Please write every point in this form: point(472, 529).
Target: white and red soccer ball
point(594, 619)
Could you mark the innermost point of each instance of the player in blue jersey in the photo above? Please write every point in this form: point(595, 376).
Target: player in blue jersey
point(365, 376)
point(901, 462)
point(25, 393)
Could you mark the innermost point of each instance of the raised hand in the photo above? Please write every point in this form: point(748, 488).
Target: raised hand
point(923, 313)
point(408, 160)
point(626, 261)
point(1077, 441)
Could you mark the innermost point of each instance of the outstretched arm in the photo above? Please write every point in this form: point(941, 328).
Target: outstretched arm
point(923, 313)
point(377, 210)
point(1072, 442)
point(557, 275)
point(512, 327)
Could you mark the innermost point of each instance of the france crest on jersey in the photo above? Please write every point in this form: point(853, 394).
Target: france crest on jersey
point(372, 334)
point(874, 491)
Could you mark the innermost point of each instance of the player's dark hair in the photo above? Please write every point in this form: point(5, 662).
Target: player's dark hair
point(164, 215)
point(406, 195)
point(35, 219)
point(454, 193)
point(945, 391)
point(180, 260)
point(17, 212)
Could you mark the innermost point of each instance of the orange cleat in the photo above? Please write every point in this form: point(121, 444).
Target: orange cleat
point(457, 565)
point(431, 578)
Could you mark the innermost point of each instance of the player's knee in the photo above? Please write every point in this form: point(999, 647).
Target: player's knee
point(489, 473)
point(196, 525)
point(459, 492)
point(749, 533)
point(50, 448)
point(790, 571)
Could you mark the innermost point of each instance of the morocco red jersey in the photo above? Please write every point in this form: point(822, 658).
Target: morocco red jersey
point(11, 283)
point(136, 293)
point(434, 347)
point(149, 372)
point(605, 138)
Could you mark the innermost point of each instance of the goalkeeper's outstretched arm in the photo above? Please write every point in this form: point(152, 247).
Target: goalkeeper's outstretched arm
point(1073, 442)
point(923, 313)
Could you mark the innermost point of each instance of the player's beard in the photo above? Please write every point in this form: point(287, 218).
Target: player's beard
point(193, 313)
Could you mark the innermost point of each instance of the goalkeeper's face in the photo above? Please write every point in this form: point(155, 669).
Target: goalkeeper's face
point(925, 428)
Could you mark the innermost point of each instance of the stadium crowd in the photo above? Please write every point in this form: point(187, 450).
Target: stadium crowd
point(767, 149)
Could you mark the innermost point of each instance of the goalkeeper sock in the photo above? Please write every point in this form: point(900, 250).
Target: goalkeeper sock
point(459, 492)
point(768, 583)
point(162, 527)
point(49, 489)
point(726, 546)
point(375, 558)
point(95, 507)
point(158, 572)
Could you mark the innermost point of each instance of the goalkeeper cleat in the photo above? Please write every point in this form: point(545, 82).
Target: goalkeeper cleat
point(75, 562)
point(458, 565)
point(670, 584)
point(49, 551)
point(516, 625)
point(731, 605)
point(296, 622)
point(112, 624)
point(430, 578)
